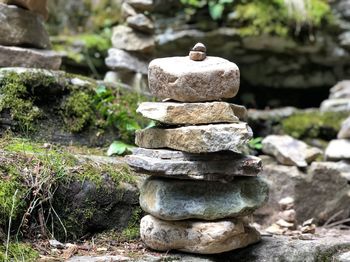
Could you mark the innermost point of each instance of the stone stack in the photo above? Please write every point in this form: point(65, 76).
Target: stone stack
point(24, 41)
point(133, 45)
point(201, 186)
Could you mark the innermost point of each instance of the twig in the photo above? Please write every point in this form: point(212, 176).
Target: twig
point(333, 217)
point(9, 225)
point(337, 223)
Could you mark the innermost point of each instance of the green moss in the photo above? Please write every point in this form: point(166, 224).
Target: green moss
point(133, 229)
point(18, 252)
point(16, 91)
point(314, 124)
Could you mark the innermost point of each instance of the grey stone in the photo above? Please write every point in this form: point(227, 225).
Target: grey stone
point(338, 149)
point(141, 5)
point(37, 6)
point(20, 27)
point(140, 22)
point(124, 61)
point(126, 38)
point(201, 237)
point(171, 199)
point(118, 258)
point(192, 113)
point(176, 164)
point(127, 10)
point(340, 104)
point(289, 151)
point(197, 139)
point(324, 187)
point(340, 90)
point(29, 57)
point(181, 79)
point(200, 47)
point(345, 129)
point(343, 257)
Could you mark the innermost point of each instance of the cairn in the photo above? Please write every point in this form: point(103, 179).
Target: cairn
point(202, 187)
point(133, 45)
point(24, 41)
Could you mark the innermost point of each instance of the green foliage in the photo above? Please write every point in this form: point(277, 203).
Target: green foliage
point(314, 124)
point(216, 8)
point(19, 252)
point(255, 143)
point(119, 148)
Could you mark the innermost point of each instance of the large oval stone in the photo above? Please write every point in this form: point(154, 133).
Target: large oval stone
point(201, 237)
point(197, 139)
point(185, 80)
point(171, 199)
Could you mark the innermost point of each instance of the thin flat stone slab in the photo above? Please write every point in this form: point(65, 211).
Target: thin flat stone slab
point(20, 27)
point(121, 60)
point(174, 199)
point(141, 22)
point(339, 104)
point(185, 80)
point(338, 149)
point(290, 151)
point(223, 166)
point(192, 113)
point(126, 38)
point(141, 5)
point(11, 56)
point(197, 139)
point(200, 237)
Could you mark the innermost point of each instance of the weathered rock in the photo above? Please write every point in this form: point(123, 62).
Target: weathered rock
point(176, 164)
point(338, 149)
point(197, 55)
point(37, 6)
point(140, 22)
point(340, 104)
point(192, 113)
point(345, 129)
point(289, 151)
point(127, 10)
point(197, 139)
point(340, 90)
point(141, 5)
point(124, 61)
point(324, 187)
point(182, 79)
point(286, 203)
point(343, 257)
point(171, 199)
point(20, 27)
point(127, 39)
point(288, 215)
point(28, 57)
point(197, 236)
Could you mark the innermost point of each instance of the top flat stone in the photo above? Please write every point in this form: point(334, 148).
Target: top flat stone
point(185, 80)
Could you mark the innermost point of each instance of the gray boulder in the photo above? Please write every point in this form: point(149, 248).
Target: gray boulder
point(121, 60)
point(338, 149)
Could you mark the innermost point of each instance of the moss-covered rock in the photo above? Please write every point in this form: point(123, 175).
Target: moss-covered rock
point(66, 108)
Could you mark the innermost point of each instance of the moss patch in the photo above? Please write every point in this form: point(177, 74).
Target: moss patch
point(314, 124)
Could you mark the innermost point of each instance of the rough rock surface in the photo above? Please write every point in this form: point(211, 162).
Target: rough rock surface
point(345, 129)
point(37, 6)
point(141, 5)
point(289, 151)
point(182, 79)
point(127, 39)
point(340, 90)
point(28, 57)
point(140, 22)
point(171, 199)
point(192, 113)
point(339, 104)
point(338, 149)
point(201, 237)
point(20, 27)
point(197, 139)
point(176, 164)
point(124, 61)
point(324, 187)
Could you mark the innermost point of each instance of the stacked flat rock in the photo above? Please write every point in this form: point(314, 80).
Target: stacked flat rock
point(133, 44)
point(201, 187)
point(24, 41)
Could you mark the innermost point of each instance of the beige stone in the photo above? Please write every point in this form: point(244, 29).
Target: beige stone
point(197, 139)
point(20, 27)
point(201, 237)
point(181, 79)
point(127, 39)
point(192, 113)
point(197, 55)
point(37, 6)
